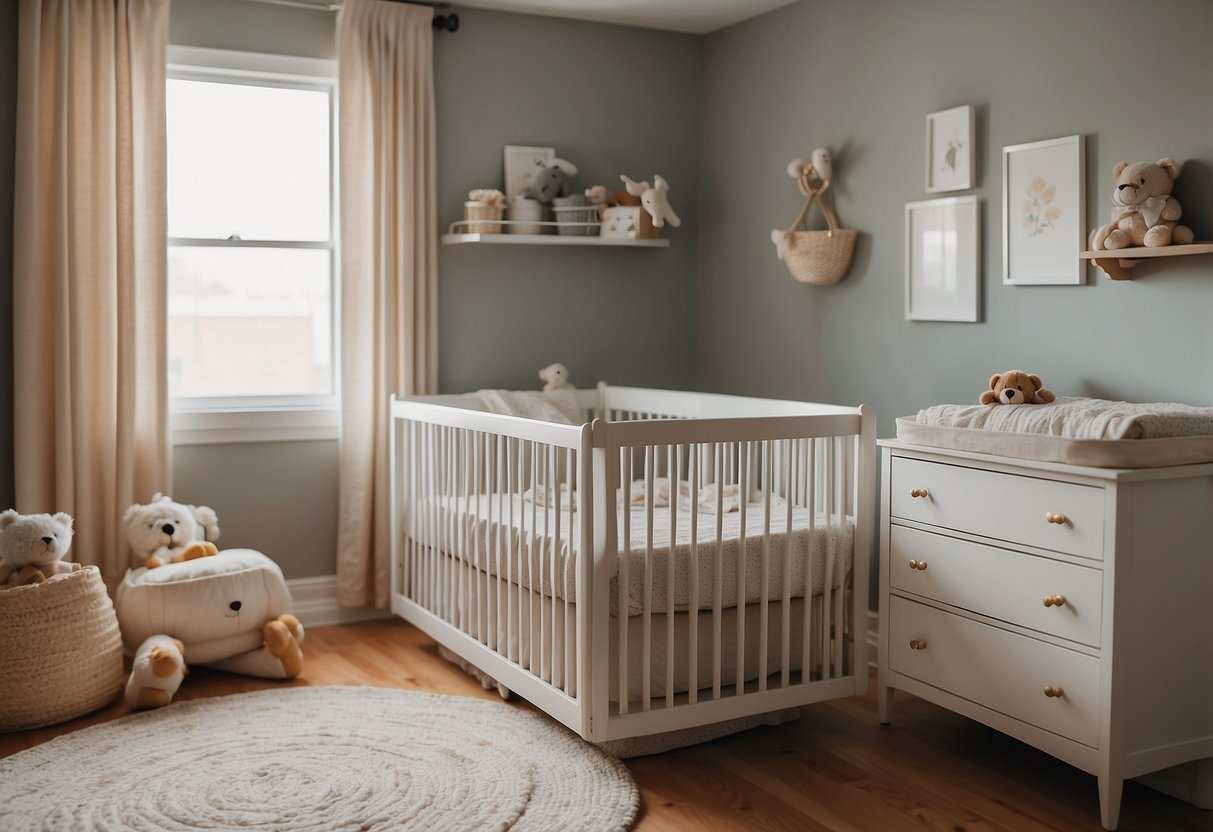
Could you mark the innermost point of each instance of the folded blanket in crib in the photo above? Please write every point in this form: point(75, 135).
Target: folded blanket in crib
point(558, 406)
point(730, 497)
point(1077, 418)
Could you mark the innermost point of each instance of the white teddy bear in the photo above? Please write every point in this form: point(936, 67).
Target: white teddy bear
point(555, 377)
point(231, 612)
point(655, 200)
point(32, 547)
point(164, 531)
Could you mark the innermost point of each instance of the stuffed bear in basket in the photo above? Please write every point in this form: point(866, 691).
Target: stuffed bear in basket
point(230, 610)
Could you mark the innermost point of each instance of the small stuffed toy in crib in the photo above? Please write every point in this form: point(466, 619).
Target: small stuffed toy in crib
point(555, 377)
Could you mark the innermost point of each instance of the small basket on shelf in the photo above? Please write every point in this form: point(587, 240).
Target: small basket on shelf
point(575, 217)
point(483, 211)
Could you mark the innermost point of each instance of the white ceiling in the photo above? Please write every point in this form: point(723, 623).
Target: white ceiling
point(694, 16)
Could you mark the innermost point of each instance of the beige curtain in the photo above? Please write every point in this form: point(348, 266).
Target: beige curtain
point(89, 287)
point(389, 289)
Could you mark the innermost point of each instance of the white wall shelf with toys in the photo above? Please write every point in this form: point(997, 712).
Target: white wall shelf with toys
point(1118, 263)
point(458, 234)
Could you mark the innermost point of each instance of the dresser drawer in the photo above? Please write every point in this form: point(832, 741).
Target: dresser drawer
point(1009, 508)
point(1001, 670)
point(998, 583)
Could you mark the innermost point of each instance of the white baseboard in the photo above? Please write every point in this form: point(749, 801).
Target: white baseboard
point(315, 603)
point(873, 637)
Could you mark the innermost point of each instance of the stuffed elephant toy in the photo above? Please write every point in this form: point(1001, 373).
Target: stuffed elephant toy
point(550, 181)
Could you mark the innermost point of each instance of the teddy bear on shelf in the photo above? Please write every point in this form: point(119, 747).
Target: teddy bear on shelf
point(231, 611)
point(164, 531)
point(1016, 387)
point(1148, 214)
point(32, 547)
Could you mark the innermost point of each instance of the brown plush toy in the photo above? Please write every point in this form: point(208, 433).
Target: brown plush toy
point(1016, 387)
point(1149, 215)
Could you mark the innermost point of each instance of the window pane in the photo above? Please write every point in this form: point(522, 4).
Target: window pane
point(249, 322)
point(247, 161)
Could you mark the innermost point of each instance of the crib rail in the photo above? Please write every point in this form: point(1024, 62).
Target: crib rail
point(536, 552)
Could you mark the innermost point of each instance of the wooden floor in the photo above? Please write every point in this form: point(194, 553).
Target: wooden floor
point(835, 769)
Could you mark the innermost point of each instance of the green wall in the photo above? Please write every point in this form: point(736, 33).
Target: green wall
point(861, 78)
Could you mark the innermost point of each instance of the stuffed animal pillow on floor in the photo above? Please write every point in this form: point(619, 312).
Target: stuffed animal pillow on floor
point(230, 611)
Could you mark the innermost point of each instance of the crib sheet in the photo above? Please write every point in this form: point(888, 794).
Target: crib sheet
point(512, 537)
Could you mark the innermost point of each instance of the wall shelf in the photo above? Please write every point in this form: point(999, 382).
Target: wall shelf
point(550, 240)
point(1118, 263)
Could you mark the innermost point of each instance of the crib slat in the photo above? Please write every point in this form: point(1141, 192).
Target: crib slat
point(553, 557)
point(693, 619)
point(743, 469)
point(622, 610)
point(672, 475)
point(569, 639)
point(827, 592)
point(840, 596)
point(785, 631)
point(646, 670)
point(764, 611)
point(718, 580)
point(534, 626)
point(810, 463)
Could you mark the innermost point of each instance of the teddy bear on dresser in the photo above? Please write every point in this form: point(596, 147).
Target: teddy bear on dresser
point(1148, 214)
point(1016, 387)
point(32, 547)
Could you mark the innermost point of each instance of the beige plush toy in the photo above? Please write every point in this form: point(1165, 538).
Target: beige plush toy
point(231, 612)
point(167, 532)
point(555, 377)
point(32, 547)
point(1148, 215)
point(1016, 387)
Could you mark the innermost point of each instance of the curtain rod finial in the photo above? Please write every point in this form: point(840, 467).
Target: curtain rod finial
point(446, 22)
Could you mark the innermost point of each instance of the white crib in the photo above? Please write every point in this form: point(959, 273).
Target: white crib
point(512, 547)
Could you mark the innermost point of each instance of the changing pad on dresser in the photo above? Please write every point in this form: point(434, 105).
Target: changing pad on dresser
point(1077, 431)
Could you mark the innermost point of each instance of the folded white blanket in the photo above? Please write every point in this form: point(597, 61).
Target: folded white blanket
point(730, 497)
point(1077, 418)
point(558, 406)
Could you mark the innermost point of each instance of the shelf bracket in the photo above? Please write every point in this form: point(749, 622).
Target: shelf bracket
point(1117, 268)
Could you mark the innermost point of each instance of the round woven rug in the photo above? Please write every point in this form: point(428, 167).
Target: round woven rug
point(331, 758)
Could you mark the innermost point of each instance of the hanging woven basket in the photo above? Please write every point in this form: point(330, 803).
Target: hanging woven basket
point(821, 258)
point(60, 650)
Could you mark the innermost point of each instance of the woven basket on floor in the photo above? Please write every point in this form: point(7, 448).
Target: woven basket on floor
point(819, 257)
point(60, 650)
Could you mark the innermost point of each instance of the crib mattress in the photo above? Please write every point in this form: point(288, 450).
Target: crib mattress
point(512, 537)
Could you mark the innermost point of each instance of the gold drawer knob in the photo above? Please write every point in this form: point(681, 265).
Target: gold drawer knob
point(919, 492)
point(1053, 692)
point(920, 565)
point(1055, 600)
point(1059, 519)
point(918, 644)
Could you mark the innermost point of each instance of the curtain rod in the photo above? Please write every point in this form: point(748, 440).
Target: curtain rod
point(442, 22)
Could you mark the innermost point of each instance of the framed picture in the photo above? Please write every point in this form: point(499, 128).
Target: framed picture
point(520, 165)
point(950, 150)
point(943, 259)
point(1043, 222)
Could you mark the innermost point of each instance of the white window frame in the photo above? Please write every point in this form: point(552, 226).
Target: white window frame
point(231, 419)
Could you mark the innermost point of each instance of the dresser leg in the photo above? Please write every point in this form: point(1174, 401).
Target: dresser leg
point(884, 703)
point(1109, 800)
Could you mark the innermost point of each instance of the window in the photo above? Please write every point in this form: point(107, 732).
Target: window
point(252, 249)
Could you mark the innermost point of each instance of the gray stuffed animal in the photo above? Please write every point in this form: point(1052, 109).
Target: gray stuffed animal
point(550, 181)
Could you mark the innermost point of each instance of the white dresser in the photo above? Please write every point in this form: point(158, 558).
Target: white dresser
point(1069, 607)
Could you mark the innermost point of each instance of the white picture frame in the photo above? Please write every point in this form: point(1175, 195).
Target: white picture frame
point(950, 150)
point(521, 161)
point(1044, 212)
point(943, 259)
